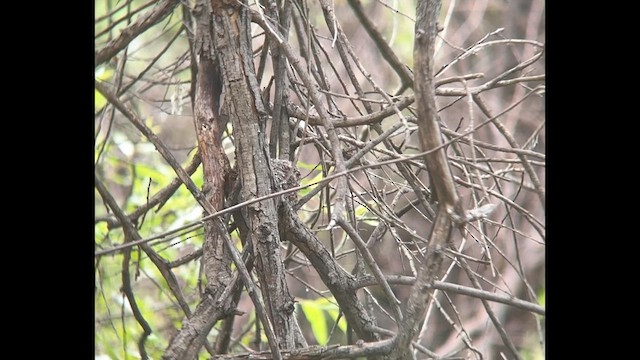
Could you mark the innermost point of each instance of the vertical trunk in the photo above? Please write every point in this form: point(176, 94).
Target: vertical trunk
point(214, 160)
point(279, 140)
point(439, 172)
point(215, 167)
point(243, 104)
point(209, 129)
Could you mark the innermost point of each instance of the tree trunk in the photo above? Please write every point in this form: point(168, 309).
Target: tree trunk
point(439, 172)
point(243, 103)
point(209, 128)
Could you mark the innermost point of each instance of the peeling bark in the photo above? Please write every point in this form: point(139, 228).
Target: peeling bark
point(209, 128)
point(247, 115)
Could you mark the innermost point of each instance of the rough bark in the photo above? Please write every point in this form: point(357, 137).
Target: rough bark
point(209, 128)
point(242, 100)
point(336, 279)
point(279, 139)
point(220, 50)
point(316, 98)
point(358, 351)
point(439, 172)
point(214, 160)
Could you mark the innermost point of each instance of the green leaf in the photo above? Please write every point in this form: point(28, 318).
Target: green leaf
point(363, 214)
point(100, 230)
point(332, 309)
point(103, 73)
point(314, 313)
point(99, 101)
point(317, 313)
point(334, 312)
point(304, 166)
point(306, 181)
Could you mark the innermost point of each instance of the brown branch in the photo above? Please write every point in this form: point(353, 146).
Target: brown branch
point(337, 280)
point(380, 184)
point(130, 233)
point(417, 346)
point(279, 138)
point(203, 320)
point(512, 141)
point(113, 11)
point(127, 17)
point(439, 174)
point(352, 161)
point(385, 50)
point(343, 48)
point(343, 42)
point(315, 96)
point(152, 62)
point(137, 314)
point(158, 198)
point(535, 222)
point(155, 140)
point(150, 18)
point(373, 265)
point(160, 263)
point(421, 289)
point(243, 104)
point(193, 332)
point(378, 116)
point(185, 259)
point(494, 319)
point(322, 182)
point(165, 236)
point(427, 119)
point(326, 180)
point(463, 138)
point(475, 48)
point(361, 349)
point(370, 280)
point(372, 118)
point(209, 127)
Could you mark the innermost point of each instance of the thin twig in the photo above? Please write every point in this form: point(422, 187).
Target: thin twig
point(296, 62)
point(373, 265)
point(370, 280)
point(150, 18)
point(496, 322)
point(159, 198)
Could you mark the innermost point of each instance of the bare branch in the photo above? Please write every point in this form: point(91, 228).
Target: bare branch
point(319, 106)
point(496, 322)
point(155, 140)
point(525, 162)
point(385, 50)
point(130, 234)
point(420, 152)
point(158, 198)
point(361, 349)
point(357, 240)
point(369, 280)
point(332, 274)
point(150, 18)
point(439, 174)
